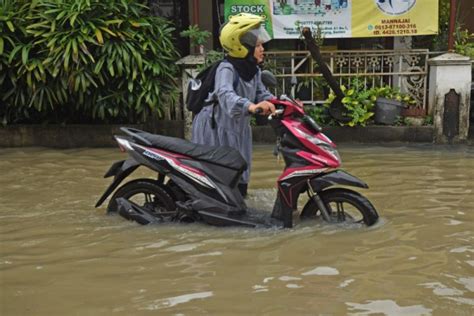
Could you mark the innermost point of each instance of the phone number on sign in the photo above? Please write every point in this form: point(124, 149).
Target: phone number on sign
point(395, 29)
point(395, 32)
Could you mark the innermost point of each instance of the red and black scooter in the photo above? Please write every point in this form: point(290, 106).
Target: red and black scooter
point(199, 183)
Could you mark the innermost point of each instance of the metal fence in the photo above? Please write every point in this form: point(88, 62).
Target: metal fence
point(298, 74)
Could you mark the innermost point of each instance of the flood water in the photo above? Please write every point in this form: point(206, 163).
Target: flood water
point(61, 256)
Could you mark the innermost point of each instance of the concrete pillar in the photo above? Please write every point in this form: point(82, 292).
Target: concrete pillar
point(400, 44)
point(449, 97)
point(189, 70)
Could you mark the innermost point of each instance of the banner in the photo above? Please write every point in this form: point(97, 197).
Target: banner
point(342, 18)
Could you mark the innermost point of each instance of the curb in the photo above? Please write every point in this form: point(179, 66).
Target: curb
point(74, 136)
point(77, 135)
point(368, 134)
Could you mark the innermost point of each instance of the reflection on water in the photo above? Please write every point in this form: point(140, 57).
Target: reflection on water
point(387, 307)
point(173, 301)
point(60, 255)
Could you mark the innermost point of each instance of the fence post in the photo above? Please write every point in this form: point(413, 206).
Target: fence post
point(188, 70)
point(449, 97)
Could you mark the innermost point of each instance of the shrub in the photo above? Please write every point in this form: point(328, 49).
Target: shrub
point(360, 101)
point(83, 60)
point(197, 36)
point(464, 43)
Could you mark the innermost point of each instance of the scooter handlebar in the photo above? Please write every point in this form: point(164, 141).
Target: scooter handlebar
point(277, 112)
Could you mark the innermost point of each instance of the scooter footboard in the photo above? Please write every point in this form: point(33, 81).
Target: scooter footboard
point(219, 220)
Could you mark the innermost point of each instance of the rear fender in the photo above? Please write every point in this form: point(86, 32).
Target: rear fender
point(336, 177)
point(120, 170)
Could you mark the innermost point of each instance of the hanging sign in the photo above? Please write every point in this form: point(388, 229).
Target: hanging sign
point(342, 18)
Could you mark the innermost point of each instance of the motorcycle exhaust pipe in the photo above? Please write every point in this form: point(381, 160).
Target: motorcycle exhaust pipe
point(133, 212)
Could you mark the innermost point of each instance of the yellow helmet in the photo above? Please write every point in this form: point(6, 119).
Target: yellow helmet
point(244, 28)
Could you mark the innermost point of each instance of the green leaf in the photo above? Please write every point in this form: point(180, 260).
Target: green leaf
point(24, 54)
point(60, 15)
point(13, 53)
point(98, 35)
point(98, 66)
point(73, 18)
point(28, 80)
point(103, 28)
point(346, 100)
point(111, 69)
point(119, 67)
point(10, 26)
point(139, 60)
point(75, 51)
point(67, 56)
point(116, 21)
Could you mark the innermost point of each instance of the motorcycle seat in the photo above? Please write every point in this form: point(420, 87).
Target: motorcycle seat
point(220, 155)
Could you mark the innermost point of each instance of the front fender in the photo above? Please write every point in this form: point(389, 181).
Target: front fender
point(120, 170)
point(336, 177)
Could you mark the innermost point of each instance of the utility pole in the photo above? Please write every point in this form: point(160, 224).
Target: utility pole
point(196, 12)
point(452, 25)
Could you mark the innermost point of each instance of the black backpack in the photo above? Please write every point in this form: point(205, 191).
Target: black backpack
point(200, 87)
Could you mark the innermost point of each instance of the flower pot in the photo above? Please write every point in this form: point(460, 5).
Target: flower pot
point(413, 111)
point(387, 111)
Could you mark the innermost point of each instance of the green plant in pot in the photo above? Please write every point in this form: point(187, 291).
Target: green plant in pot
point(358, 101)
point(389, 105)
point(413, 113)
point(197, 37)
point(412, 109)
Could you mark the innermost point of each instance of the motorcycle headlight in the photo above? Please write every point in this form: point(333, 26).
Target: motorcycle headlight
point(321, 144)
point(331, 150)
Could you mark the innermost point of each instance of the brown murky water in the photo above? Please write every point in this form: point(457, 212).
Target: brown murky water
point(60, 256)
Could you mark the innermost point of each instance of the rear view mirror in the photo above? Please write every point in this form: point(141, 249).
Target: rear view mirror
point(269, 79)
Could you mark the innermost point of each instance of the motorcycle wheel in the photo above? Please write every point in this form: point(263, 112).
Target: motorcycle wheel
point(343, 205)
point(147, 194)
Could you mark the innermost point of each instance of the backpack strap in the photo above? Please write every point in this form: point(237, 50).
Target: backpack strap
point(236, 79)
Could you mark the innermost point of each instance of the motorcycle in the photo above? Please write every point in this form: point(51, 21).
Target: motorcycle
point(198, 183)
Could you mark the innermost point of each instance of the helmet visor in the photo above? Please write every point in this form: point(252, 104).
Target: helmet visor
point(258, 35)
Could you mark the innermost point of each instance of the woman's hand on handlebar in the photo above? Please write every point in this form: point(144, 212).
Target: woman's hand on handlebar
point(263, 108)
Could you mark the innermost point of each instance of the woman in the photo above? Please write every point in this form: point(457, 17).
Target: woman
point(242, 39)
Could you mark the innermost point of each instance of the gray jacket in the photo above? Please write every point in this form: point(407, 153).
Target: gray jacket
point(231, 114)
